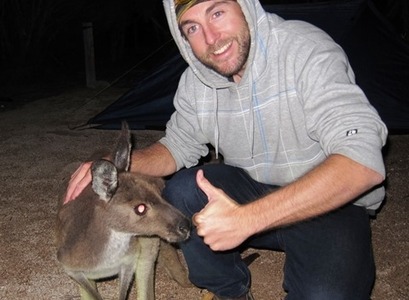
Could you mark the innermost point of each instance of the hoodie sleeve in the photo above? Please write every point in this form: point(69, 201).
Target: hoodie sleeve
point(184, 138)
point(338, 114)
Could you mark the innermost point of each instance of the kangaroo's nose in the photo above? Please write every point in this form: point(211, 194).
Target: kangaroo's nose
point(184, 227)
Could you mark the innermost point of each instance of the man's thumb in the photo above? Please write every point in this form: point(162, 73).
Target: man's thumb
point(205, 185)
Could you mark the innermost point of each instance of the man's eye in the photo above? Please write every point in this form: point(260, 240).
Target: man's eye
point(217, 14)
point(191, 29)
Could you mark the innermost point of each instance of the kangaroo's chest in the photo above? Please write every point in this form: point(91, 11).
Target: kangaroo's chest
point(117, 247)
point(118, 252)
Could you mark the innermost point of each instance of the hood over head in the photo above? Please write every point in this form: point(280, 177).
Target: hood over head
point(253, 12)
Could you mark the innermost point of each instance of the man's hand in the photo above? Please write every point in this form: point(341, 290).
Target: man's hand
point(155, 160)
point(222, 223)
point(79, 180)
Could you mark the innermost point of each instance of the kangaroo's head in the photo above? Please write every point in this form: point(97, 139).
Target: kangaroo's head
point(133, 202)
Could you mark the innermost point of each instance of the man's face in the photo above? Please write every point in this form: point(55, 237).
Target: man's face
point(218, 35)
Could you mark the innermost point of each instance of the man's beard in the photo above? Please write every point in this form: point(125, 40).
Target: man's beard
point(228, 70)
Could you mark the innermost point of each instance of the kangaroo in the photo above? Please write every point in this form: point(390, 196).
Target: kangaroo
point(119, 225)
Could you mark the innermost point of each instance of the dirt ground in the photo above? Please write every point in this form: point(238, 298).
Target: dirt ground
point(38, 149)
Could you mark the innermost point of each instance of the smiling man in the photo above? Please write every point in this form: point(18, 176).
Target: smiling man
point(223, 42)
point(302, 163)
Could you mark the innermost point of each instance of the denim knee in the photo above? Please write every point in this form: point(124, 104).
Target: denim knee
point(223, 273)
point(182, 192)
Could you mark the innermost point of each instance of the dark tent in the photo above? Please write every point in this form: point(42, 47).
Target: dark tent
point(149, 103)
point(379, 56)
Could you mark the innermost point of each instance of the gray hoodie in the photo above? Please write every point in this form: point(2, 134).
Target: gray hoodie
point(296, 104)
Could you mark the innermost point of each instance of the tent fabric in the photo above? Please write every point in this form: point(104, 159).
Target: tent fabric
point(149, 104)
point(380, 59)
point(378, 55)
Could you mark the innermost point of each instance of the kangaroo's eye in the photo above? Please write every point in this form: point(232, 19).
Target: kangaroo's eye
point(140, 209)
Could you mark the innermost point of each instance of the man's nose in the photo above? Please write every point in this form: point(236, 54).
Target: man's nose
point(211, 35)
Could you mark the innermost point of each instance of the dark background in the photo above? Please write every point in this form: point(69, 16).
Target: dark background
point(41, 41)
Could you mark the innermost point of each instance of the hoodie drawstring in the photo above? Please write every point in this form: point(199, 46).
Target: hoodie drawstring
point(251, 115)
point(251, 129)
point(216, 122)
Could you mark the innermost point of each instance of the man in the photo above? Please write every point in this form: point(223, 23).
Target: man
point(301, 146)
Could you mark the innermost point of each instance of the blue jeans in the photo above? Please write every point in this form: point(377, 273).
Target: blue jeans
point(328, 257)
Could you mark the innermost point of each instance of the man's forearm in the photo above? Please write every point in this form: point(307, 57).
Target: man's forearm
point(334, 183)
point(155, 160)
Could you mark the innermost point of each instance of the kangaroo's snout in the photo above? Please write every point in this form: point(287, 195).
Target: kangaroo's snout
point(178, 228)
point(184, 228)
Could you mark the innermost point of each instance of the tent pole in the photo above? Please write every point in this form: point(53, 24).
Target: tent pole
point(89, 54)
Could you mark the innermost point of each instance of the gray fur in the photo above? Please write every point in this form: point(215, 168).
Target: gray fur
point(118, 226)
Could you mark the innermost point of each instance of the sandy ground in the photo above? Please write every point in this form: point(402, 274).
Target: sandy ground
point(37, 151)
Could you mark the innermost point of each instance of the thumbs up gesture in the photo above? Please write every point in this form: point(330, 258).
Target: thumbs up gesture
point(223, 223)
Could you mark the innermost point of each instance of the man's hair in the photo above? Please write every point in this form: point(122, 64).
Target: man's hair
point(181, 6)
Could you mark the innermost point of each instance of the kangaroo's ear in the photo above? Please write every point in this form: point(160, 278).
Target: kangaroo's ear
point(104, 179)
point(122, 153)
point(158, 183)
